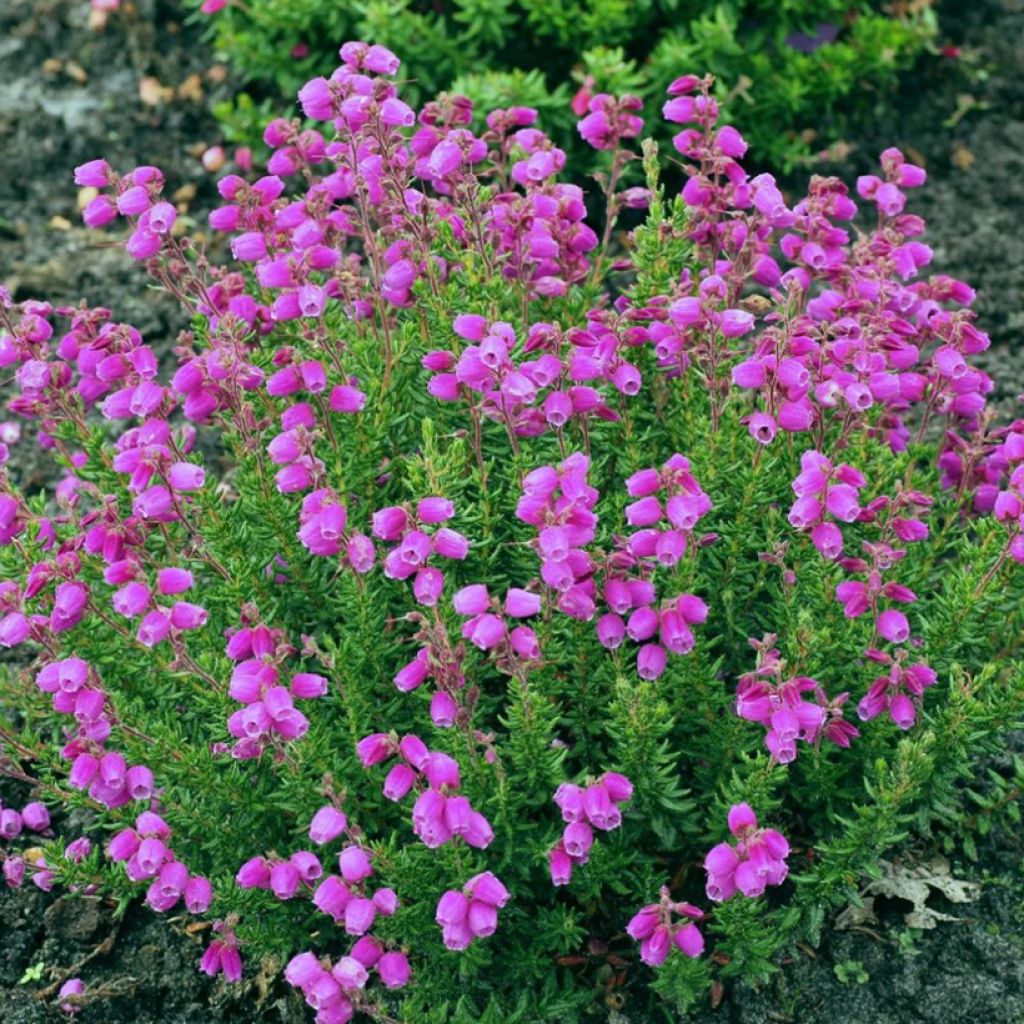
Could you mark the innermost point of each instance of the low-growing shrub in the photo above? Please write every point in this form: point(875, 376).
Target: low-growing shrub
point(789, 73)
point(487, 621)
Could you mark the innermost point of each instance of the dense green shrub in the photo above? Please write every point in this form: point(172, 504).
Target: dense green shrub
point(789, 97)
point(715, 524)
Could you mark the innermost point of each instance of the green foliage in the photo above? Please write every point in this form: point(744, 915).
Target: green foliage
point(787, 102)
point(851, 972)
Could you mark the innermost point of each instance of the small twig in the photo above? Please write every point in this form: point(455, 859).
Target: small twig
point(101, 950)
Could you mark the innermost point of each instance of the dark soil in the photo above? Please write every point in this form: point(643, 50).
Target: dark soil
point(69, 94)
point(141, 969)
point(962, 972)
point(963, 117)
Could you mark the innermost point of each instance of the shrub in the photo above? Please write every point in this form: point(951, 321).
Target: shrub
point(560, 621)
point(789, 73)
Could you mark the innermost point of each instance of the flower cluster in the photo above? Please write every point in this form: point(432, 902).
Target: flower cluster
point(790, 709)
point(867, 346)
point(322, 521)
point(221, 955)
point(823, 490)
point(336, 990)
point(897, 691)
point(657, 930)
point(528, 396)
point(1008, 506)
point(33, 817)
point(439, 813)
point(757, 860)
point(105, 774)
point(440, 661)
point(610, 120)
point(294, 448)
point(485, 626)
point(269, 716)
point(471, 913)
point(559, 503)
point(414, 546)
point(415, 314)
point(595, 806)
point(146, 855)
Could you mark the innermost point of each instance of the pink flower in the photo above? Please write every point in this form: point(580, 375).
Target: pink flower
point(756, 861)
point(893, 625)
point(657, 930)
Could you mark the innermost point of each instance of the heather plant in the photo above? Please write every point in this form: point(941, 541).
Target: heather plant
point(477, 619)
point(790, 75)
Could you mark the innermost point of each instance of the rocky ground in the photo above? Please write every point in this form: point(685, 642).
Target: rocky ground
point(139, 92)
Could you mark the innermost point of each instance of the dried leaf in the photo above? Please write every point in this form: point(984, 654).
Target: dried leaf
point(77, 72)
point(152, 93)
point(186, 193)
point(913, 883)
point(191, 89)
point(86, 195)
point(962, 157)
point(916, 155)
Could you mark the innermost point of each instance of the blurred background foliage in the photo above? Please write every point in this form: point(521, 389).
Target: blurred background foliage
point(793, 75)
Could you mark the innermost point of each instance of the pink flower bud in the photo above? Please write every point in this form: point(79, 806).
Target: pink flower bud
point(284, 880)
point(36, 817)
point(346, 399)
point(354, 863)
point(173, 581)
point(471, 600)
point(360, 914)
point(328, 823)
point(198, 895)
point(393, 969)
point(400, 780)
point(451, 544)
point(188, 616)
point(94, 173)
point(893, 625)
point(253, 874)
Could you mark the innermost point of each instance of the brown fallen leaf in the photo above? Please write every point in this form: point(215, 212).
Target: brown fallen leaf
point(53, 66)
point(191, 89)
point(186, 193)
point(756, 304)
point(913, 883)
point(85, 196)
point(717, 992)
point(59, 223)
point(962, 157)
point(75, 70)
point(916, 155)
point(152, 93)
